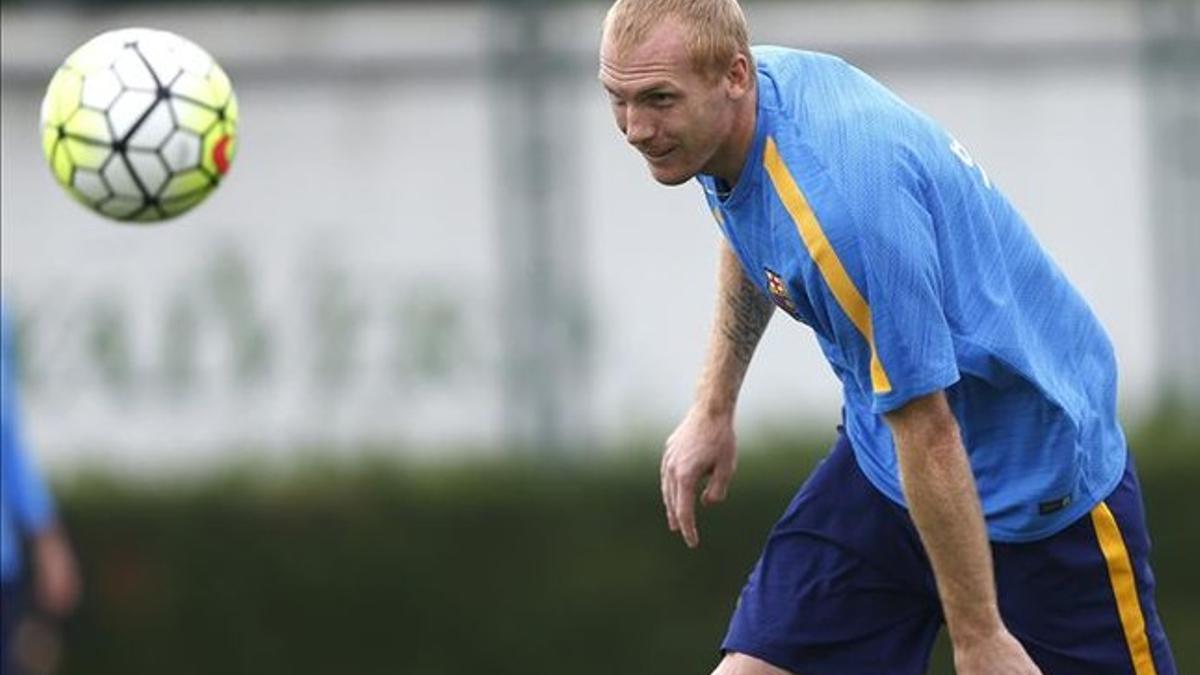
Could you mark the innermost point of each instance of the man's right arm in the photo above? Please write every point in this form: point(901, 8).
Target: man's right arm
point(742, 314)
point(703, 445)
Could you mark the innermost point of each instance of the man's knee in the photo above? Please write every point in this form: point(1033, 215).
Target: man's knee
point(743, 664)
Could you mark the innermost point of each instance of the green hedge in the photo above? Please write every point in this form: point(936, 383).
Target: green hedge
point(488, 567)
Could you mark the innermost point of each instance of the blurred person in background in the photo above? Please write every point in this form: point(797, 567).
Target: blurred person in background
point(37, 563)
point(979, 389)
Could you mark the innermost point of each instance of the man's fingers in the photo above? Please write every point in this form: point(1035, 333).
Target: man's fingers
point(718, 485)
point(685, 510)
point(668, 492)
point(715, 491)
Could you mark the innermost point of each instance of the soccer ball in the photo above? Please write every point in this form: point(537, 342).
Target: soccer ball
point(139, 125)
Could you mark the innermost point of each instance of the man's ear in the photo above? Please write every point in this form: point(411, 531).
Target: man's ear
point(739, 76)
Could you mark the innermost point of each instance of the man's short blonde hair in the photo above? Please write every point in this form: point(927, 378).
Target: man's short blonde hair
point(716, 28)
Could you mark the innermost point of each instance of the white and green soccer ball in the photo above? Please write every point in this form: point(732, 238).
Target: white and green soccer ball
point(139, 125)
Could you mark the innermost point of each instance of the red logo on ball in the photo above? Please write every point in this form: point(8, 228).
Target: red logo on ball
point(220, 154)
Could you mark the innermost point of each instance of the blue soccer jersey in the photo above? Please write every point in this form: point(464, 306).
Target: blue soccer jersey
point(865, 220)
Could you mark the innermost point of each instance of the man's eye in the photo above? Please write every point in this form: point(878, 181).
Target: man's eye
point(661, 98)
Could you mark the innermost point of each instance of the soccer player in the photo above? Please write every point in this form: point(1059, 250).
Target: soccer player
point(980, 478)
point(27, 516)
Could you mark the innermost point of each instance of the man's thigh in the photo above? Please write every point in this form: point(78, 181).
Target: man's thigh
point(1082, 601)
point(743, 664)
point(842, 585)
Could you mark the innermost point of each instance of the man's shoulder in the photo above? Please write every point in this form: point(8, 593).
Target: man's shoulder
point(777, 56)
point(5, 332)
point(823, 99)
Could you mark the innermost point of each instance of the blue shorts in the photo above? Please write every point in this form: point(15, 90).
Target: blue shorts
point(843, 587)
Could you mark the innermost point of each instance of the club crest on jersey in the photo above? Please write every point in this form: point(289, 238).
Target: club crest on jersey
point(779, 293)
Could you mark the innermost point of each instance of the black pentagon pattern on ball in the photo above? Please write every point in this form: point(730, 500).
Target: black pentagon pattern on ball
point(91, 184)
point(59, 142)
point(97, 189)
point(198, 192)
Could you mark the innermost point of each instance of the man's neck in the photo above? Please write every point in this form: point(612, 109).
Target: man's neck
point(741, 138)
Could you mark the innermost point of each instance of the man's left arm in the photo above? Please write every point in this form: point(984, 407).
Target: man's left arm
point(944, 504)
point(56, 581)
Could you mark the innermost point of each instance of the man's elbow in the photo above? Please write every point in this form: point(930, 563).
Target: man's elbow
point(926, 431)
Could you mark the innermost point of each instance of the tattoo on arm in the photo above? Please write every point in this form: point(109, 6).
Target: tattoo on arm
point(746, 317)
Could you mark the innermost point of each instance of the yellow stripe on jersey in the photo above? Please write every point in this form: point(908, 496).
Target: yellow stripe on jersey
point(1120, 574)
point(830, 266)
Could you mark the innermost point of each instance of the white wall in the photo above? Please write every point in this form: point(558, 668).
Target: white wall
point(365, 157)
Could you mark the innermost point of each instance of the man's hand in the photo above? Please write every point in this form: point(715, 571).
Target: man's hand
point(999, 654)
point(55, 574)
point(702, 446)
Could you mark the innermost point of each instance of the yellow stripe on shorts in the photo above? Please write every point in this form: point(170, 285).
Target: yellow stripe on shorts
point(1120, 574)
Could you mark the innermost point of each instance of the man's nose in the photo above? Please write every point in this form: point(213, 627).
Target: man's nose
point(638, 127)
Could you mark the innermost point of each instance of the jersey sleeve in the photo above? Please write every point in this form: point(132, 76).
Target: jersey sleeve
point(877, 271)
point(901, 280)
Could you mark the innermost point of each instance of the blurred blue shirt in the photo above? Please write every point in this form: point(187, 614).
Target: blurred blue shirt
point(864, 219)
point(25, 504)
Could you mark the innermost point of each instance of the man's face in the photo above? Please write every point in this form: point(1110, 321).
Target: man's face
point(675, 116)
